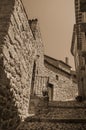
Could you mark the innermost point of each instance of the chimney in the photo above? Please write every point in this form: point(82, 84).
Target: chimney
point(67, 60)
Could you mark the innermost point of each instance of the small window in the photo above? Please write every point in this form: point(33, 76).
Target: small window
point(57, 77)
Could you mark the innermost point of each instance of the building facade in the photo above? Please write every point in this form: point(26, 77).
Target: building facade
point(22, 70)
point(21, 59)
point(62, 84)
point(78, 47)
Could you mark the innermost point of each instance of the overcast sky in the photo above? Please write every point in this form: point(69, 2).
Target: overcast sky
point(56, 19)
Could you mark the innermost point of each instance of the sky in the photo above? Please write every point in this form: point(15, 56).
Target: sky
point(56, 20)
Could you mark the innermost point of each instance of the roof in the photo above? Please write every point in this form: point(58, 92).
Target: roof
point(56, 62)
point(56, 67)
point(65, 72)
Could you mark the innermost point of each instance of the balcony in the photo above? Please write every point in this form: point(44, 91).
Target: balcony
point(83, 5)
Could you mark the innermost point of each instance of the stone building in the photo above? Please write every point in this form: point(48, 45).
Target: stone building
point(78, 47)
point(22, 70)
point(62, 83)
point(21, 59)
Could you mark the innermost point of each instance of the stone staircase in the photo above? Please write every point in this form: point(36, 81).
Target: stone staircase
point(57, 116)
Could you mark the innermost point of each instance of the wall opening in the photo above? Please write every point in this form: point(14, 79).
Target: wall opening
point(50, 91)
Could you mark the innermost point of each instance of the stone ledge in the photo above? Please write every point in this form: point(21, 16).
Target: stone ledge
point(33, 119)
point(51, 126)
point(68, 104)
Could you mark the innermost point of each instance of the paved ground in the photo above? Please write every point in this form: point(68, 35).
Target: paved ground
point(58, 116)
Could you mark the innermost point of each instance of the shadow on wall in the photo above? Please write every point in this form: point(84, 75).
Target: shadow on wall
point(9, 116)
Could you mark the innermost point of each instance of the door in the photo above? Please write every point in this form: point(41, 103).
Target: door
point(50, 91)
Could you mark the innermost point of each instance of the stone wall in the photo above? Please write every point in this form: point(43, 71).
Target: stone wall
point(78, 47)
point(18, 52)
point(64, 88)
point(21, 64)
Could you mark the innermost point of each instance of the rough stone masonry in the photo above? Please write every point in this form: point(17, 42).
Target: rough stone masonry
point(21, 59)
point(18, 51)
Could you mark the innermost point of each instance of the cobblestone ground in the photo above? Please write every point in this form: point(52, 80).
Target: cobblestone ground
point(51, 126)
point(59, 116)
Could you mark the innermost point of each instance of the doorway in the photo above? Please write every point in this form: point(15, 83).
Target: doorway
point(50, 91)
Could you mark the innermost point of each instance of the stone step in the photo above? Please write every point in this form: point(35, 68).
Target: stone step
point(55, 120)
point(52, 124)
point(63, 110)
point(67, 104)
point(57, 116)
